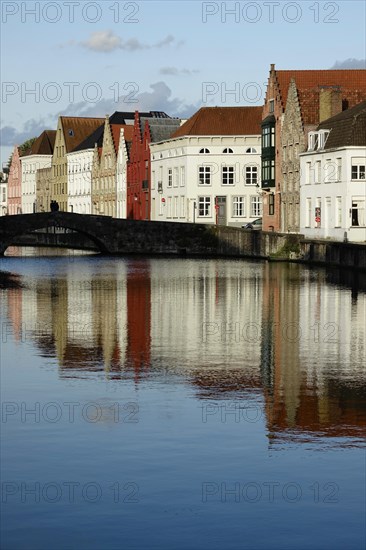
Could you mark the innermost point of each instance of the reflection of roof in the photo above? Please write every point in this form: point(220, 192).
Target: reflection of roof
point(43, 145)
point(351, 83)
point(160, 128)
point(77, 129)
point(346, 128)
point(222, 121)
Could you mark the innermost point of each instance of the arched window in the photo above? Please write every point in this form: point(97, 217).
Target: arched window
point(251, 150)
point(204, 151)
point(228, 150)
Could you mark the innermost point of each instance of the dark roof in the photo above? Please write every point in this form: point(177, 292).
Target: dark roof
point(222, 121)
point(160, 128)
point(43, 145)
point(77, 129)
point(90, 141)
point(119, 118)
point(347, 128)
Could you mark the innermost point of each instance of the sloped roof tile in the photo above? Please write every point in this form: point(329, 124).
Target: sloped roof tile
point(77, 129)
point(222, 121)
point(347, 128)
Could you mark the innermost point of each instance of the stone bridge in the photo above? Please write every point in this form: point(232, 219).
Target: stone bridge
point(120, 236)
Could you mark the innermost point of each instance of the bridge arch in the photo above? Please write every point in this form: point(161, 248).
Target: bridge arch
point(12, 227)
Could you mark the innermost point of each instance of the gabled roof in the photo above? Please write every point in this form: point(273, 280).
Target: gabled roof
point(77, 129)
point(160, 128)
point(116, 133)
point(347, 128)
point(43, 145)
point(222, 121)
point(350, 82)
point(95, 137)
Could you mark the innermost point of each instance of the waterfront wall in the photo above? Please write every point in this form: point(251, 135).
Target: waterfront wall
point(122, 237)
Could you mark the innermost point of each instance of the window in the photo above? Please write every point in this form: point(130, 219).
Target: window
point(358, 212)
point(318, 171)
point(339, 169)
point(308, 173)
point(338, 214)
point(308, 212)
point(176, 177)
point(251, 150)
point(182, 206)
point(255, 206)
point(182, 176)
point(175, 213)
point(271, 204)
point(271, 105)
point(251, 175)
point(169, 208)
point(170, 177)
point(268, 169)
point(228, 175)
point(71, 133)
point(204, 206)
point(238, 207)
point(204, 175)
point(268, 136)
point(358, 172)
point(228, 150)
point(204, 151)
point(153, 179)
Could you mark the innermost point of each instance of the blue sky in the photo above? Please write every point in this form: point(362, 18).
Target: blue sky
point(92, 58)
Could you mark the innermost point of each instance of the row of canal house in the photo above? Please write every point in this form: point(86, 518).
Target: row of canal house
point(226, 165)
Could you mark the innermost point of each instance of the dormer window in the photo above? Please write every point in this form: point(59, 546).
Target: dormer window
point(204, 151)
point(228, 150)
point(251, 150)
point(317, 140)
point(71, 133)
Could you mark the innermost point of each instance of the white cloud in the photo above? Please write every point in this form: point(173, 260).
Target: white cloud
point(174, 71)
point(106, 42)
point(350, 63)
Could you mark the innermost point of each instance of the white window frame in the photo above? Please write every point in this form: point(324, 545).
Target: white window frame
point(228, 175)
point(255, 206)
point(204, 175)
point(204, 204)
point(251, 175)
point(238, 206)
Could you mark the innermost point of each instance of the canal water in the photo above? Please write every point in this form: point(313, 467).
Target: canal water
point(181, 404)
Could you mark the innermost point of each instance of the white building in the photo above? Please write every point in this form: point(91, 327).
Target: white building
point(333, 180)
point(79, 177)
point(3, 198)
point(209, 170)
point(39, 156)
point(121, 170)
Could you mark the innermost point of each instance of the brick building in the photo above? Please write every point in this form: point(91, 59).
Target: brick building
point(296, 102)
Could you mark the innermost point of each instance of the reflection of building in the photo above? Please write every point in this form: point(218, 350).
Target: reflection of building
point(312, 350)
point(333, 178)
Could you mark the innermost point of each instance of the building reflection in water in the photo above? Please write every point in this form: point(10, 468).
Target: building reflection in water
point(280, 334)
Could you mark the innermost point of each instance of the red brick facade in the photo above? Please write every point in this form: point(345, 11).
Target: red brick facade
point(138, 173)
point(15, 184)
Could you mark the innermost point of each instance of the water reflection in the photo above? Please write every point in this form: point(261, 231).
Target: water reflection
point(283, 335)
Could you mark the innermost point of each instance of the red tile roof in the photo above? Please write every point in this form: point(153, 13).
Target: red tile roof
point(351, 82)
point(76, 129)
point(222, 121)
point(116, 131)
point(44, 144)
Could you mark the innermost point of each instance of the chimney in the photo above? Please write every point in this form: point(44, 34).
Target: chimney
point(330, 102)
